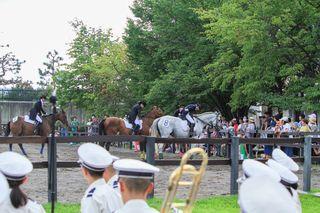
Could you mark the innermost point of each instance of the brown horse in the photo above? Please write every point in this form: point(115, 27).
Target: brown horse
point(22, 128)
point(114, 126)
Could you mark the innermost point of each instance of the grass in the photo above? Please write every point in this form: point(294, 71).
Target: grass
point(220, 204)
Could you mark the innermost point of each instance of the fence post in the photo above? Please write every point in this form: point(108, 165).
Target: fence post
point(49, 170)
point(150, 143)
point(307, 164)
point(234, 165)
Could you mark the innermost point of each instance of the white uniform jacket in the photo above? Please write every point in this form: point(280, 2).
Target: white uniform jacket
point(136, 206)
point(31, 207)
point(100, 198)
point(113, 183)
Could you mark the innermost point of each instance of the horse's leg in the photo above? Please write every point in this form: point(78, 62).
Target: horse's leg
point(41, 149)
point(22, 149)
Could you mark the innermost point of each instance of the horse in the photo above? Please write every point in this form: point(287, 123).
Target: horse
point(21, 128)
point(168, 126)
point(114, 126)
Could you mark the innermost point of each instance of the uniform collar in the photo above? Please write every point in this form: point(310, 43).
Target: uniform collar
point(96, 183)
point(136, 203)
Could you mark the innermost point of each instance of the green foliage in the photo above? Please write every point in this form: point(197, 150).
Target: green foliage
point(268, 52)
point(10, 67)
point(166, 42)
point(96, 79)
point(51, 67)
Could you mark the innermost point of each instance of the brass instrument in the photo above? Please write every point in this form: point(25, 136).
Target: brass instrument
point(175, 181)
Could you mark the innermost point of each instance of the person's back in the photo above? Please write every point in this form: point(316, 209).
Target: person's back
point(99, 196)
point(30, 207)
point(15, 168)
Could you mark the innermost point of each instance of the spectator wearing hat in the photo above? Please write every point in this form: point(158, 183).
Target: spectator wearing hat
point(135, 181)
point(99, 197)
point(110, 175)
point(15, 168)
point(288, 180)
point(313, 122)
point(263, 195)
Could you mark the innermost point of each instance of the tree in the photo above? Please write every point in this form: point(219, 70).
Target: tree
point(268, 52)
point(96, 79)
point(167, 44)
point(51, 67)
point(9, 66)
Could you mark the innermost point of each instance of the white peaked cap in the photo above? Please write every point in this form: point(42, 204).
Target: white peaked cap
point(262, 195)
point(286, 174)
point(134, 169)
point(94, 157)
point(114, 158)
point(252, 168)
point(14, 166)
point(4, 188)
point(281, 157)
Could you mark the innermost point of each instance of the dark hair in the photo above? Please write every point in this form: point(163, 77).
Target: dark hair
point(303, 116)
point(142, 102)
point(43, 96)
point(17, 197)
point(94, 173)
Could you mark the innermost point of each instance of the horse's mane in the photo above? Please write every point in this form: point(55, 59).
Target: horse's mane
point(206, 113)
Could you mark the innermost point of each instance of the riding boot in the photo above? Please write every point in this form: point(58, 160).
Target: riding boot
point(37, 128)
point(191, 132)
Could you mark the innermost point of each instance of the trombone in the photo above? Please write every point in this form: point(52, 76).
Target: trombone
point(175, 181)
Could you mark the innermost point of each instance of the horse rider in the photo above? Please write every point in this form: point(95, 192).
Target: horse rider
point(187, 113)
point(134, 114)
point(36, 112)
point(178, 112)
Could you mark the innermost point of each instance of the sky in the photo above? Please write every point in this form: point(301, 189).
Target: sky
point(34, 27)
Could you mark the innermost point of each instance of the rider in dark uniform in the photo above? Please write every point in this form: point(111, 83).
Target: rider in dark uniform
point(178, 112)
point(37, 110)
point(187, 114)
point(135, 112)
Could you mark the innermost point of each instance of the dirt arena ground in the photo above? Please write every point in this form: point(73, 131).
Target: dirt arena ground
point(71, 184)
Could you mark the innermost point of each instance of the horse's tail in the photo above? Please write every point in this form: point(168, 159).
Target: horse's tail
point(7, 130)
point(102, 130)
point(154, 129)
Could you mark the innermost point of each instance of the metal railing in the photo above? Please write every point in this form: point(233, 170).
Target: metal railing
point(21, 94)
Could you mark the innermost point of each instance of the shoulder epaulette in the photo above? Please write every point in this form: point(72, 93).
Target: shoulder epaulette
point(90, 193)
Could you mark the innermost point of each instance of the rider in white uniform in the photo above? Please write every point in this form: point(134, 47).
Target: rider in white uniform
point(135, 181)
point(99, 197)
point(15, 167)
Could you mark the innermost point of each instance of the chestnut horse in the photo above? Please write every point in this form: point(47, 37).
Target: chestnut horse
point(114, 126)
point(22, 128)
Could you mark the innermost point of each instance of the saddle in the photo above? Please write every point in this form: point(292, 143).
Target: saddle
point(130, 126)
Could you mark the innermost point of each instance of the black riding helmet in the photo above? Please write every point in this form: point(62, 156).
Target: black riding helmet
point(142, 102)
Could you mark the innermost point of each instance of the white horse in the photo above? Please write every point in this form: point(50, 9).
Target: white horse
point(167, 126)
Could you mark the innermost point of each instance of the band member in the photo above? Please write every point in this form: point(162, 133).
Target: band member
point(99, 197)
point(15, 168)
point(135, 182)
